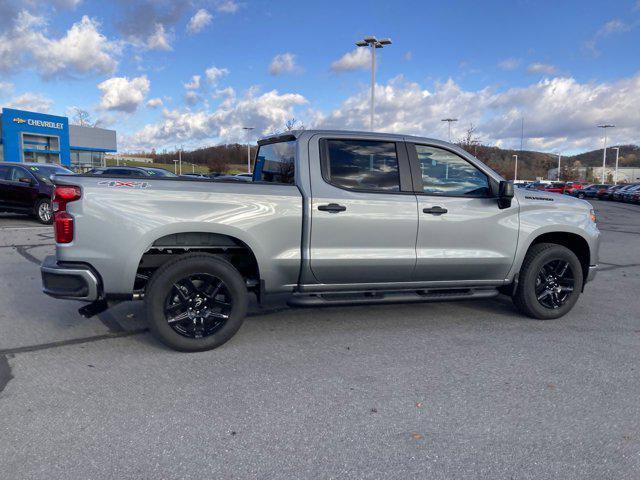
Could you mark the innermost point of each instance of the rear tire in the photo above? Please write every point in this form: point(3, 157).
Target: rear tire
point(43, 211)
point(543, 287)
point(206, 292)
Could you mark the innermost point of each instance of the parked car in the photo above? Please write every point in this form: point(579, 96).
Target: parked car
point(572, 187)
point(608, 193)
point(618, 194)
point(132, 172)
point(241, 177)
point(635, 197)
point(27, 188)
point(331, 219)
point(591, 191)
point(627, 194)
point(555, 187)
point(195, 175)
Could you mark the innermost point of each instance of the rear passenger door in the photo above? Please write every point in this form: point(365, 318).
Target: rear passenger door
point(363, 212)
point(4, 185)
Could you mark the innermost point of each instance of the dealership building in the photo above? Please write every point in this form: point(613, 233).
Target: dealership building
point(42, 138)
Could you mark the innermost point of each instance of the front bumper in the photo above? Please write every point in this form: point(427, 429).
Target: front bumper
point(72, 281)
point(593, 269)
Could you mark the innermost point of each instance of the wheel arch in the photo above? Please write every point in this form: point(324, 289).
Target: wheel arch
point(165, 247)
point(573, 241)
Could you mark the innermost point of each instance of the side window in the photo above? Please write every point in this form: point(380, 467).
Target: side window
point(4, 172)
point(122, 172)
point(275, 163)
point(445, 173)
point(16, 173)
point(362, 165)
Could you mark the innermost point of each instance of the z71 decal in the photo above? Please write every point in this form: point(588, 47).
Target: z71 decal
point(123, 184)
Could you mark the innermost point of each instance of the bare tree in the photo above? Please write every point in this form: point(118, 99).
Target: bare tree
point(81, 117)
point(293, 124)
point(470, 140)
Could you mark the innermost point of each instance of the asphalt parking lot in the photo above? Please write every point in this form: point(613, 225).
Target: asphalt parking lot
point(442, 390)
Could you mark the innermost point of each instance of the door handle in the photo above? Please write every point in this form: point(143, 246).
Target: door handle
point(435, 210)
point(332, 207)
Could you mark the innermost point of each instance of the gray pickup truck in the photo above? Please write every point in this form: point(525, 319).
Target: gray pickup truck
point(331, 218)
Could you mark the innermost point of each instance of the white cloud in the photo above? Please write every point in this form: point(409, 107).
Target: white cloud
point(227, 6)
point(194, 84)
point(213, 74)
point(357, 59)
point(541, 68)
point(81, 50)
point(191, 98)
point(560, 113)
point(33, 102)
point(159, 39)
point(609, 28)
point(268, 112)
point(122, 94)
point(6, 88)
point(283, 63)
point(155, 102)
point(200, 20)
point(509, 64)
point(408, 56)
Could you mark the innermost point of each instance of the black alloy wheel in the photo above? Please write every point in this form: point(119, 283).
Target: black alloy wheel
point(198, 305)
point(554, 284)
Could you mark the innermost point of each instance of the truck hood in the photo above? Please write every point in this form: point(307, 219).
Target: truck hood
point(539, 199)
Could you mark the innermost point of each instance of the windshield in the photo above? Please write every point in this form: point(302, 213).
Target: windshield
point(45, 172)
point(275, 163)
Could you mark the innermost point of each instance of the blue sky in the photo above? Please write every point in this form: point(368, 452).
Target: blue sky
point(194, 72)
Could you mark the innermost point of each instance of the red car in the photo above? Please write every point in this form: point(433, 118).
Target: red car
point(555, 187)
point(573, 186)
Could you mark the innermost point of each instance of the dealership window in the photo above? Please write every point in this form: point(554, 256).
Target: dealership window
point(82, 160)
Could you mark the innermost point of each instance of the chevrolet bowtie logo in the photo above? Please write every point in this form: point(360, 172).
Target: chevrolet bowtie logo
point(19, 120)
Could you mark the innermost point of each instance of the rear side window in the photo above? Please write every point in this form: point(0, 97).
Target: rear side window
point(4, 171)
point(275, 163)
point(362, 165)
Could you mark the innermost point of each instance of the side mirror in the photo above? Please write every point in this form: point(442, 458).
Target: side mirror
point(25, 180)
point(505, 194)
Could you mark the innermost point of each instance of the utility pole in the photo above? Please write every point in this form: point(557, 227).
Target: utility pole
point(248, 130)
point(515, 175)
point(617, 149)
point(374, 43)
point(449, 120)
point(559, 157)
point(604, 151)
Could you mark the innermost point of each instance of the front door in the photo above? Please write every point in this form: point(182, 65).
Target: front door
point(363, 219)
point(462, 235)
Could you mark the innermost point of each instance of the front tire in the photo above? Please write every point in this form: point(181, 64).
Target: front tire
point(43, 211)
point(196, 302)
point(550, 282)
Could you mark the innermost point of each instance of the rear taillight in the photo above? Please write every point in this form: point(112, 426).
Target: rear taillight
point(63, 221)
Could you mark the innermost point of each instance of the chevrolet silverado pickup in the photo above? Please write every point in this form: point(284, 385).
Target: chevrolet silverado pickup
point(330, 218)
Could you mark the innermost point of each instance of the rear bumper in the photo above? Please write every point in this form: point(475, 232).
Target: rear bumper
point(593, 269)
point(72, 281)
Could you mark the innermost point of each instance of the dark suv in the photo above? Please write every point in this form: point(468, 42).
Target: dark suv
point(27, 188)
point(132, 172)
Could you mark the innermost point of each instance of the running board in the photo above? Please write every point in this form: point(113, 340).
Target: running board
point(377, 297)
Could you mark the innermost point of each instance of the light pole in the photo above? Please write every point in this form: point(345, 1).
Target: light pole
point(179, 160)
point(449, 120)
point(515, 175)
point(559, 157)
point(604, 127)
point(248, 130)
point(374, 43)
point(617, 149)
